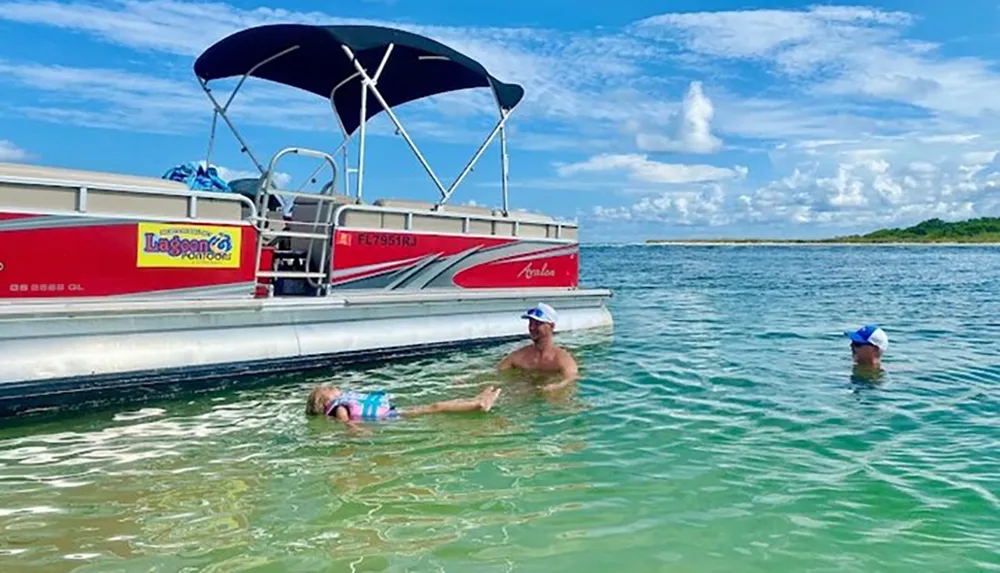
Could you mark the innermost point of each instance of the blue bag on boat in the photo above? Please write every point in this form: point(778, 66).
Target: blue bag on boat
point(197, 177)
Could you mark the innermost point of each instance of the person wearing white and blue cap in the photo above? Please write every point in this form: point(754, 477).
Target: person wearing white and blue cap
point(542, 355)
point(868, 345)
point(541, 313)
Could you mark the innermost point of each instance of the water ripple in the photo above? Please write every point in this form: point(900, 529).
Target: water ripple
point(717, 428)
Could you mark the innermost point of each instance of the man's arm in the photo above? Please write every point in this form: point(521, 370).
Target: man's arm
point(569, 371)
point(508, 362)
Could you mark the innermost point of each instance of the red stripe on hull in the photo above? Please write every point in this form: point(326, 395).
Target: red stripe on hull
point(385, 268)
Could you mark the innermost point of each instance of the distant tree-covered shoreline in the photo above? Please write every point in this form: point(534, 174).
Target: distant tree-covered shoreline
point(981, 230)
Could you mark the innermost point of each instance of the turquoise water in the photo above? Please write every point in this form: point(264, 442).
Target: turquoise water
point(717, 428)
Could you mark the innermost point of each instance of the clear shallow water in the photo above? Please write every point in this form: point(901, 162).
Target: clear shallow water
point(717, 428)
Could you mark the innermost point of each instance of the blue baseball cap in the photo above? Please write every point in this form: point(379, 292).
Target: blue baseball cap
point(542, 313)
point(870, 334)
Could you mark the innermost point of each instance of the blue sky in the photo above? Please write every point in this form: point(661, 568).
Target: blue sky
point(642, 119)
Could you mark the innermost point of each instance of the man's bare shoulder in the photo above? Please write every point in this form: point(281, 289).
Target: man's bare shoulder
point(523, 351)
point(566, 355)
point(515, 358)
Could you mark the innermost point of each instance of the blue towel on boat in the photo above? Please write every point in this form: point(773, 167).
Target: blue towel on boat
point(197, 177)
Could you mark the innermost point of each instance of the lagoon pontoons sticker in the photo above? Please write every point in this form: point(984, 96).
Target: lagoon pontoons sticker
point(188, 246)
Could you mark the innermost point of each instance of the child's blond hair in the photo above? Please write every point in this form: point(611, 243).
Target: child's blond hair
point(316, 402)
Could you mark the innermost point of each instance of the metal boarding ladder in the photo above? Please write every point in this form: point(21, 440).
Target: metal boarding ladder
point(321, 230)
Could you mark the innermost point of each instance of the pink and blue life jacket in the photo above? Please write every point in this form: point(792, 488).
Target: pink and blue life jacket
point(360, 406)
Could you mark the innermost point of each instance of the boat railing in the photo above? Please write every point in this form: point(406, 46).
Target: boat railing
point(60, 191)
point(430, 220)
point(319, 232)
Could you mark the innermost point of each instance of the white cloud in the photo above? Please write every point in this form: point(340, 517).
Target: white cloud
point(927, 153)
point(874, 192)
point(922, 168)
point(803, 118)
point(157, 25)
point(703, 207)
point(134, 101)
point(796, 40)
point(956, 138)
point(979, 157)
point(848, 51)
point(812, 145)
point(857, 195)
point(641, 168)
point(693, 131)
point(12, 153)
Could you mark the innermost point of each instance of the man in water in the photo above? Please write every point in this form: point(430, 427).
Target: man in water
point(542, 355)
point(868, 345)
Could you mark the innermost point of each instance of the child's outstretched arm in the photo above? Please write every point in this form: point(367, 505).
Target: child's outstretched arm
point(481, 403)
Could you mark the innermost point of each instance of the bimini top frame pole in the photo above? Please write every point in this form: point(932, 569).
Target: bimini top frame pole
point(503, 159)
point(347, 136)
point(407, 67)
point(220, 111)
point(371, 83)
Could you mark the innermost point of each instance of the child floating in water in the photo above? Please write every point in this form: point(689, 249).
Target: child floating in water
point(350, 407)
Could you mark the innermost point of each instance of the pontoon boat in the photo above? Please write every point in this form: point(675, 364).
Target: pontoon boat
point(115, 283)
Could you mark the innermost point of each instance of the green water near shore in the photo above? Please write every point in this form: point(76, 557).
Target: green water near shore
point(717, 428)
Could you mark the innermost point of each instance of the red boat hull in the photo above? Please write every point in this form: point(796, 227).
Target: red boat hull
point(44, 256)
point(426, 260)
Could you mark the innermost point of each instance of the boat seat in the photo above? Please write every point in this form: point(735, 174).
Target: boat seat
point(306, 211)
point(302, 209)
point(338, 199)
